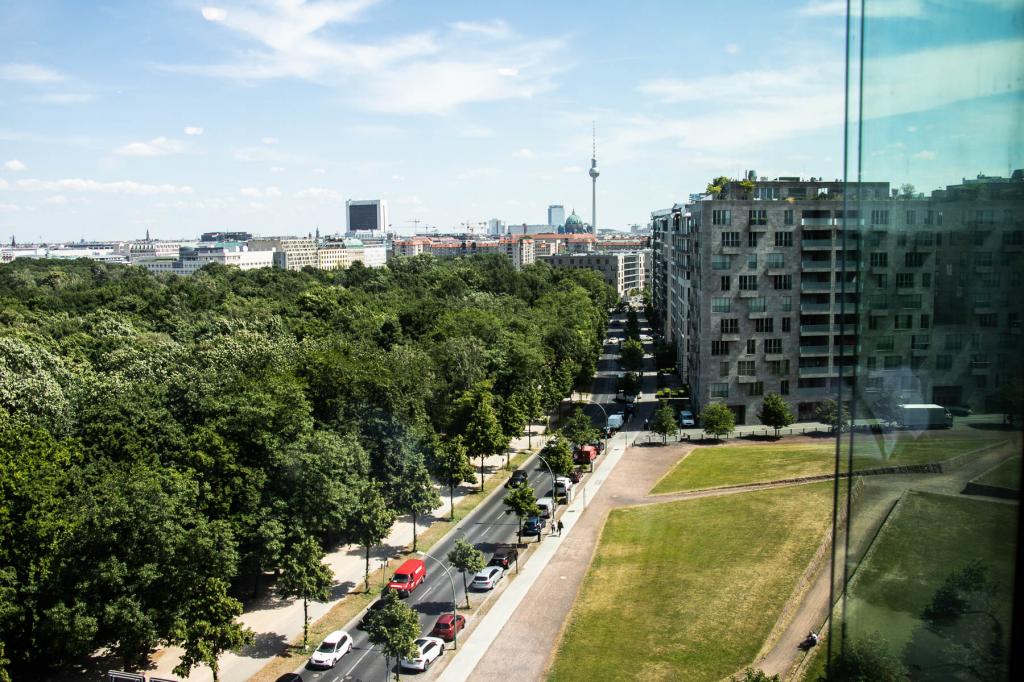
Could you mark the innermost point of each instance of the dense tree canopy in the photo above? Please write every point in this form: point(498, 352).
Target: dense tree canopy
point(166, 436)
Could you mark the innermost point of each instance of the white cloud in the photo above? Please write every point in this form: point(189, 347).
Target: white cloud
point(319, 193)
point(158, 146)
point(30, 73)
point(260, 193)
point(57, 200)
point(926, 155)
point(63, 98)
point(270, 140)
point(495, 30)
point(85, 185)
point(732, 48)
point(193, 130)
point(3, 184)
point(214, 14)
point(524, 154)
point(15, 165)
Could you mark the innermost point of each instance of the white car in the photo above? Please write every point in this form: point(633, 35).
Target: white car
point(429, 649)
point(686, 418)
point(330, 651)
point(488, 578)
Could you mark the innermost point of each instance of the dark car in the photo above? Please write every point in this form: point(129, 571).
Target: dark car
point(534, 525)
point(370, 613)
point(575, 475)
point(504, 557)
point(447, 626)
point(517, 479)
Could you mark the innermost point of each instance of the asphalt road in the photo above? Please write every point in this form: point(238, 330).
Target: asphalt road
point(487, 528)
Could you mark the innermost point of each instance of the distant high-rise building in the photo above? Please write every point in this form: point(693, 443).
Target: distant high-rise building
point(556, 215)
point(496, 226)
point(367, 216)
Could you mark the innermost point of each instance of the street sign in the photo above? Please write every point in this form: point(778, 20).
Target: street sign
point(118, 676)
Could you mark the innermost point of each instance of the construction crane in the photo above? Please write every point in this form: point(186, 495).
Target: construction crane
point(415, 225)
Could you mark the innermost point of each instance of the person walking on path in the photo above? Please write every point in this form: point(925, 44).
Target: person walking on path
point(560, 527)
point(646, 422)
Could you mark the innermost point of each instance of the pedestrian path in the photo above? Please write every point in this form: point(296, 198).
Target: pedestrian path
point(277, 622)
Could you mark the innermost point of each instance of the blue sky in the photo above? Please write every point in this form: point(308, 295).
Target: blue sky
point(183, 117)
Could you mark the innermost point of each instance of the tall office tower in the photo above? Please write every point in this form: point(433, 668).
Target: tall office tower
point(367, 216)
point(556, 215)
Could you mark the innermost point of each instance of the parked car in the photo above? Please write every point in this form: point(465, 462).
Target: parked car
point(517, 479)
point(504, 557)
point(959, 411)
point(547, 506)
point(575, 475)
point(428, 650)
point(487, 578)
point(408, 577)
point(447, 626)
point(330, 651)
point(533, 526)
point(370, 613)
point(686, 418)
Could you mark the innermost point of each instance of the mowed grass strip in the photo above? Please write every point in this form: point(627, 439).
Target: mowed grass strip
point(690, 590)
point(1005, 475)
point(926, 538)
point(724, 465)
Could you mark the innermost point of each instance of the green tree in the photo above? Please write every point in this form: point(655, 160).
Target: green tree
point(717, 420)
point(834, 415)
point(632, 355)
point(664, 421)
point(305, 577)
point(886, 408)
point(207, 628)
point(869, 658)
point(558, 454)
point(412, 490)
point(483, 435)
point(534, 411)
point(775, 412)
point(522, 502)
point(453, 467)
point(467, 559)
point(579, 429)
point(629, 384)
point(394, 629)
point(372, 523)
point(756, 675)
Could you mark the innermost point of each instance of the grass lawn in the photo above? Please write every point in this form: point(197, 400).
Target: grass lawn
point(722, 465)
point(1006, 475)
point(927, 537)
point(690, 590)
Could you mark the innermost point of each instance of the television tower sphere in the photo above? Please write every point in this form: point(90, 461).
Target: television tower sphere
point(593, 169)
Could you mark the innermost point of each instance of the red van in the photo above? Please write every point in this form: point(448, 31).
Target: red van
point(408, 577)
point(585, 454)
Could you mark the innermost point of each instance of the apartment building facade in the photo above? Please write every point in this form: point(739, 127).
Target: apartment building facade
point(290, 253)
point(626, 271)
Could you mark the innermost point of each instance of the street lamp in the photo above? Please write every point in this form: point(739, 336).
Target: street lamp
point(455, 607)
point(604, 430)
point(554, 494)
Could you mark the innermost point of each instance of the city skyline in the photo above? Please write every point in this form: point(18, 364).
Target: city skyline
point(187, 117)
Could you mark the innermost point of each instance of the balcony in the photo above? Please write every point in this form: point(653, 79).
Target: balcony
point(815, 350)
point(816, 371)
point(980, 368)
point(748, 293)
point(816, 243)
point(815, 307)
point(816, 286)
point(816, 265)
point(747, 378)
point(816, 329)
point(816, 221)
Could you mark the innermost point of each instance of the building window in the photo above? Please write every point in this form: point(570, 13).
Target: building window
point(757, 305)
point(920, 341)
point(751, 346)
point(904, 279)
point(778, 367)
point(752, 261)
point(881, 280)
point(786, 323)
point(915, 259)
point(885, 343)
point(721, 262)
point(719, 347)
point(746, 368)
point(871, 362)
point(903, 321)
point(752, 239)
point(730, 239)
point(926, 321)
point(720, 390)
point(892, 361)
point(926, 279)
point(764, 325)
point(723, 368)
point(720, 305)
point(787, 219)
point(730, 325)
point(776, 260)
point(758, 217)
point(748, 282)
point(782, 282)
point(954, 342)
point(725, 282)
point(766, 193)
point(784, 387)
point(755, 389)
point(721, 216)
point(879, 217)
point(879, 259)
point(787, 304)
point(784, 238)
point(911, 301)
point(943, 362)
point(988, 320)
point(773, 346)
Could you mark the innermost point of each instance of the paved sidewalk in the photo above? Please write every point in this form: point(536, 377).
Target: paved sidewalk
point(276, 622)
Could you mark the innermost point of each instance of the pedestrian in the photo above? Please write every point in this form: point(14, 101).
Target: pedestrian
point(646, 422)
point(560, 527)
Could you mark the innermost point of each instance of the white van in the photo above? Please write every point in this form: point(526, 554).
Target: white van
point(563, 486)
point(547, 507)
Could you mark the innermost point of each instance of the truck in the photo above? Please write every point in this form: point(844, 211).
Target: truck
point(585, 454)
point(923, 416)
point(615, 422)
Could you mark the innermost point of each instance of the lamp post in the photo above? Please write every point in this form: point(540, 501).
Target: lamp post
point(455, 607)
point(605, 430)
point(554, 495)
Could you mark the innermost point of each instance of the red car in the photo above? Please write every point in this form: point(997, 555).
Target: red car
point(447, 626)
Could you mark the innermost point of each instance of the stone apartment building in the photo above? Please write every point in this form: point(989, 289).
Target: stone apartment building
point(626, 271)
point(781, 287)
point(520, 249)
point(290, 253)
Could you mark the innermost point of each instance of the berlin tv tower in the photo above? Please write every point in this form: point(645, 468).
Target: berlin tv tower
point(593, 176)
